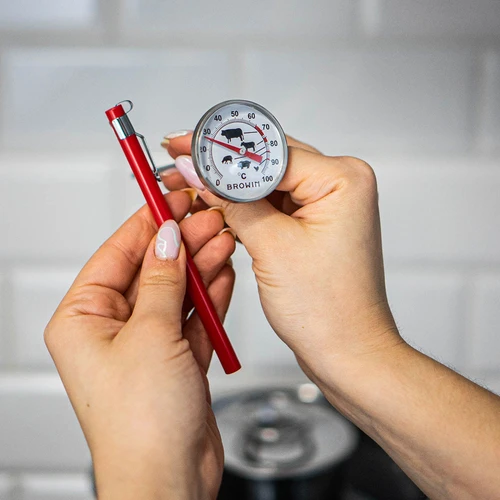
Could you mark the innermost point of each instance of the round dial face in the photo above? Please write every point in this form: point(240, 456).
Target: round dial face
point(239, 151)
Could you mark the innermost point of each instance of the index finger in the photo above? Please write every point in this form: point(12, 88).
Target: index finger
point(178, 146)
point(116, 262)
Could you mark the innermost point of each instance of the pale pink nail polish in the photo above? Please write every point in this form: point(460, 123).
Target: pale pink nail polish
point(185, 166)
point(168, 241)
point(173, 135)
point(177, 133)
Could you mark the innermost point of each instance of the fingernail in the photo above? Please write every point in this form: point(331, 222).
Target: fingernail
point(229, 262)
point(168, 241)
point(179, 133)
point(193, 194)
point(166, 170)
point(217, 209)
point(232, 232)
point(185, 166)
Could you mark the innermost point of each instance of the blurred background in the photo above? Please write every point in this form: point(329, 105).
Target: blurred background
point(411, 86)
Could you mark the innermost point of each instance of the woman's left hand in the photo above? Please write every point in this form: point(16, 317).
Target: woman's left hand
point(135, 368)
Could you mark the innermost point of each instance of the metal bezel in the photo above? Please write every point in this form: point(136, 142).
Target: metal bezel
point(195, 150)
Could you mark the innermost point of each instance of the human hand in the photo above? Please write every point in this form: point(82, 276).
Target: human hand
point(317, 256)
point(134, 367)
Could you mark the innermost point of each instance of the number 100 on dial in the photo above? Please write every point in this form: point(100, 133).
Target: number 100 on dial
point(239, 151)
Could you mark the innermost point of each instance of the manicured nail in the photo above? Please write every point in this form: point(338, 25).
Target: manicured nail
point(193, 194)
point(168, 241)
point(166, 170)
point(185, 166)
point(232, 232)
point(216, 209)
point(179, 133)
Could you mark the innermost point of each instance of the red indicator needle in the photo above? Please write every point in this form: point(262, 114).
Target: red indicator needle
point(236, 149)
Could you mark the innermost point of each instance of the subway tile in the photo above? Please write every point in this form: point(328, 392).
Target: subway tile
point(431, 18)
point(39, 428)
point(54, 206)
point(427, 307)
point(56, 487)
point(3, 326)
point(6, 487)
point(489, 108)
point(36, 295)
point(483, 347)
point(439, 210)
point(56, 98)
point(354, 100)
point(47, 14)
point(236, 22)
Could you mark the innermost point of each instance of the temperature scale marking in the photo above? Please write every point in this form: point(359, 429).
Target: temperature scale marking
point(234, 166)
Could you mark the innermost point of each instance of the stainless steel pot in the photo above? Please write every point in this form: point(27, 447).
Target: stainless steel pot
point(283, 443)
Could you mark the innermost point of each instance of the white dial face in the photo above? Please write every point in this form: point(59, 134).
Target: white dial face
point(239, 151)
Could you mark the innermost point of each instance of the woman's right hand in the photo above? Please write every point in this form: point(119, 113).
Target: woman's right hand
point(317, 256)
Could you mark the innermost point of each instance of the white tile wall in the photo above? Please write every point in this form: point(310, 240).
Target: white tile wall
point(413, 87)
point(56, 487)
point(39, 428)
point(57, 207)
point(489, 109)
point(440, 210)
point(431, 18)
point(428, 309)
point(56, 98)
point(47, 14)
point(36, 295)
point(4, 333)
point(484, 342)
point(234, 23)
point(6, 485)
point(350, 100)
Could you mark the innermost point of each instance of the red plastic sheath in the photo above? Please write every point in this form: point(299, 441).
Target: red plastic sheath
point(161, 212)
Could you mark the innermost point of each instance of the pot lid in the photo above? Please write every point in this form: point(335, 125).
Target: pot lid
point(280, 433)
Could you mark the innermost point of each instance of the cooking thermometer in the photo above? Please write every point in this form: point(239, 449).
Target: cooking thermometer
point(239, 151)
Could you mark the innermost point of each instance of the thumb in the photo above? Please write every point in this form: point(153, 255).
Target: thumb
point(254, 222)
point(162, 284)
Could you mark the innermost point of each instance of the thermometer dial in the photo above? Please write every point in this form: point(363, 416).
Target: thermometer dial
point(239, 151)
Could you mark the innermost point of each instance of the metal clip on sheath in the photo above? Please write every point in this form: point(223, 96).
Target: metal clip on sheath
point(124, 128)
point(148, 153)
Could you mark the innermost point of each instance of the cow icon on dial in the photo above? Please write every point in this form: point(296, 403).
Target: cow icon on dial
point(248, 145)
point(224, 167)
point(232, 133)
